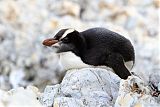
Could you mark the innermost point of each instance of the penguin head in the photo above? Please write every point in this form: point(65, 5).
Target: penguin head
point(66, 40)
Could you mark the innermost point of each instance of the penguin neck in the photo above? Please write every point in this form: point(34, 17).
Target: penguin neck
point(81, 47)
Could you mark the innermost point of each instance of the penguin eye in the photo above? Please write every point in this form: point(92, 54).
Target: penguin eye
point(66, 40)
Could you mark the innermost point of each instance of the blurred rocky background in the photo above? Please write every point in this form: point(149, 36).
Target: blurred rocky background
point(24, 24)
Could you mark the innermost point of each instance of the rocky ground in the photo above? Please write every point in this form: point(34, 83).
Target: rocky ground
point(88, 87)
point(24, 24)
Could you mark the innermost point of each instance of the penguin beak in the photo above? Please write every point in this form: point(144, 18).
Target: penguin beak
point(49, 42)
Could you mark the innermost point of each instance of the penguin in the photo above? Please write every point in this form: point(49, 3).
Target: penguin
point(93, 47)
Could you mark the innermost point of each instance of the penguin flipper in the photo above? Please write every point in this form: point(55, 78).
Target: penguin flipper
point(116, 62)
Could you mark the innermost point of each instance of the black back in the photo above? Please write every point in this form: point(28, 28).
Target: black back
point(102, 42)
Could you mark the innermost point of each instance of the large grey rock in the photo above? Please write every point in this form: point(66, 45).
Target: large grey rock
point(80, 87)
point(89, 87)
point(94, 87)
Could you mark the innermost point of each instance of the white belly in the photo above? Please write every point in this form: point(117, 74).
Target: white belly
point(129, 65)
point(69, 60)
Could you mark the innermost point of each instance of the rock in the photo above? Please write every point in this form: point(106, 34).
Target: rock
point(2, 33)
point(156, 3)
point(142, 3)
point(20, 97)
point(134, 92)
point(10, 11)
point(66, 7)
point(49, 94)
point(88, 87)
point(16, 78)
point(81, 87)
point(159, 86)
point(4, 82)
point(84, 87)
point(150, 50)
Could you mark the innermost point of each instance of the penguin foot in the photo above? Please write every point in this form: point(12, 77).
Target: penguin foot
point(116, 62)
point(135, 88)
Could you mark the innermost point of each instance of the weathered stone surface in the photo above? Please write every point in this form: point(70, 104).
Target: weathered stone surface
point(20, 97)
point(84, 87)
point(134, 92)
point(49, 94)
point(87, 87)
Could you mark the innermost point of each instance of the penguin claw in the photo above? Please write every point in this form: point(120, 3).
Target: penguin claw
point(135, 88)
